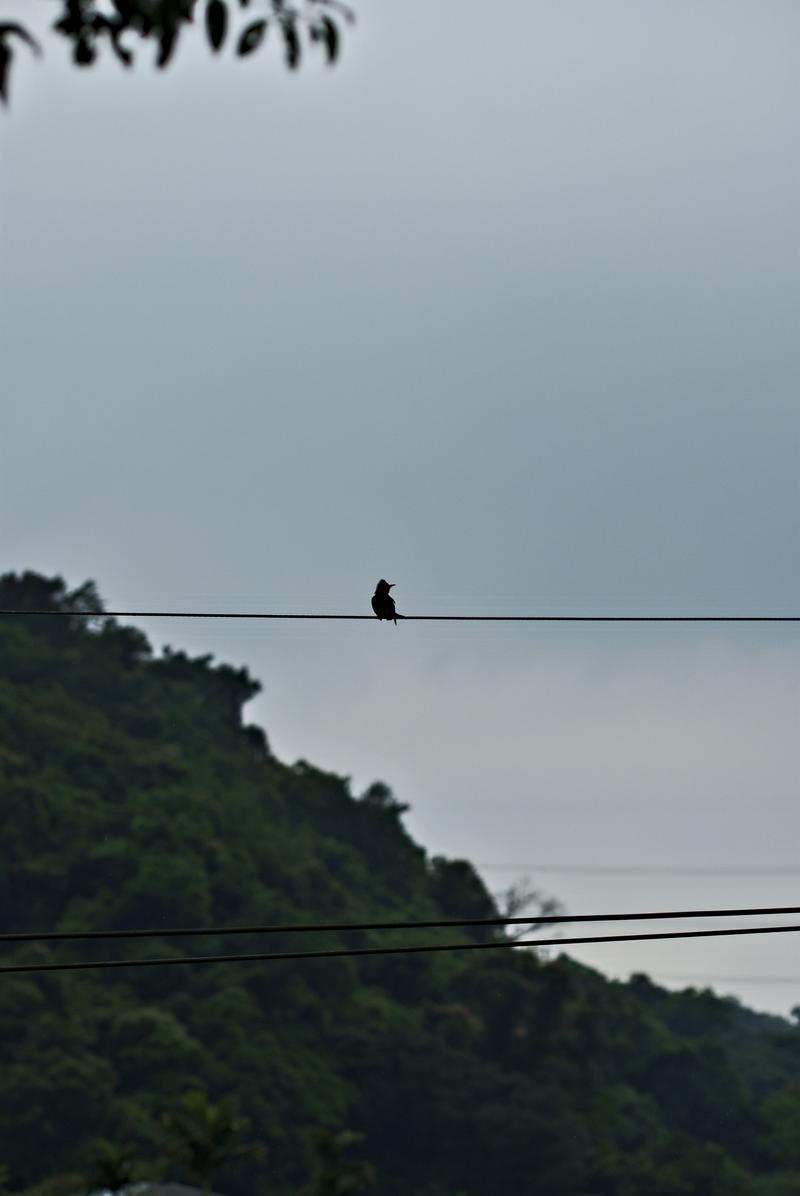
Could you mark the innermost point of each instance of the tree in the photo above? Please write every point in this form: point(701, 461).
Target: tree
point(93, 28)
point(517, 899)
point(334, 1173)
point(380, 797)
point(111, 1169)
point(201, 1137)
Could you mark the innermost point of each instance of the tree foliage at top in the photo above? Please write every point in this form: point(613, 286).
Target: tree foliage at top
point(96, 28)
point(133, 794)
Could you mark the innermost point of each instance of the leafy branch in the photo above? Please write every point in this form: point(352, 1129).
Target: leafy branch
point(118, 27)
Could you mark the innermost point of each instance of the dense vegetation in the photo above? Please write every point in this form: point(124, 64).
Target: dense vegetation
point(133, 795)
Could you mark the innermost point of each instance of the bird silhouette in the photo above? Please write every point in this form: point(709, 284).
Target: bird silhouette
point(383, 602)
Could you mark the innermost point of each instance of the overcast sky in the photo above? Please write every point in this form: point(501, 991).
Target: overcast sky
point(505, 310)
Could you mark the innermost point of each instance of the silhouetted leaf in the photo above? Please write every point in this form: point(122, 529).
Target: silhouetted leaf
point(251, 38)
point(166, 46)
point(5, 65)
point(216, 23)
point(122, 52)
point(292, 41)
point(84, 52)
point(330, 35)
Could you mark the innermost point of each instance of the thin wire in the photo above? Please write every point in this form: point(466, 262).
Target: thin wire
point(644, 870)
point(431, 924)
point(676, 977)
point(215, 614)
point(349, 952)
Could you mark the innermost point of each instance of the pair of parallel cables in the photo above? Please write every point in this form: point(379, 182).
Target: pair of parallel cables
point(17, 939)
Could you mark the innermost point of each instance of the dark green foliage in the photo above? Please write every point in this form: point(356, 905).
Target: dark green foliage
point(201, 1137)
point(111, 1168)
point(93, 28)
point(132, 794)
point(460, 892)
point(336, 1173)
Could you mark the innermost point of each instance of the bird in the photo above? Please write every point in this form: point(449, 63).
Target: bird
point(383, 602)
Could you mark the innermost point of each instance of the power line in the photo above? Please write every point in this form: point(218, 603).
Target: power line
point(216, 614)
point(675, 977)
point(350, 952)
point(648, 870)
point(430, 924)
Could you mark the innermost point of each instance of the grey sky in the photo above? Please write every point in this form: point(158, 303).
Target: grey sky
point(506, 311)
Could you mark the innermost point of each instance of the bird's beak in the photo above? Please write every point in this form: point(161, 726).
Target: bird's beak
point(391, 585)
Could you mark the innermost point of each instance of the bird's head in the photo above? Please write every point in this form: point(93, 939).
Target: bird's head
point(383, 587)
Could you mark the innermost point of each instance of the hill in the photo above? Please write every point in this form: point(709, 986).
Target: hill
point(132, 794)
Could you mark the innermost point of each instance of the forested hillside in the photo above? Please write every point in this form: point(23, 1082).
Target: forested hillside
point(133, 795)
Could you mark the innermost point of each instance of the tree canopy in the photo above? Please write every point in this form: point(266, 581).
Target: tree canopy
point(120, 28)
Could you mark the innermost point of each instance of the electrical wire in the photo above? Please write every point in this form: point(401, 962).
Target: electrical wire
point(697, 981)
point(654, 869)
point(353, 952)
point(430, 924)
point(215, 614)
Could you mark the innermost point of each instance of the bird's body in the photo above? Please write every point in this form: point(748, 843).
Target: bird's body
point(383, 602)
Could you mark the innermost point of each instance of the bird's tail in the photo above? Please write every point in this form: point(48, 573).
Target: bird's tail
point(397, 616)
